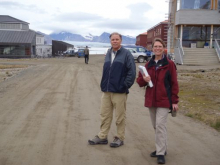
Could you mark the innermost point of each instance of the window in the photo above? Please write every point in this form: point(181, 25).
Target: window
point(25, 27)
point(196, 4)
point(14, 50)
point(216, 32)
point(196, 32)
point(9, 26)
point(141, 50)
point(219, 4)
point(38, 40)
point(178, 5)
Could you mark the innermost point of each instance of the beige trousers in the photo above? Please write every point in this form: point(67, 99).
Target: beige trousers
point(159, 120)
point(109, 102)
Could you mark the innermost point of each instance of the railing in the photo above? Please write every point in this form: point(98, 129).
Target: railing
point(217, 47)
point(178, 52)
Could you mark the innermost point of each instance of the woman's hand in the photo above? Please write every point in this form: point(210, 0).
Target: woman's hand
point(175, 107)
point(146, 78)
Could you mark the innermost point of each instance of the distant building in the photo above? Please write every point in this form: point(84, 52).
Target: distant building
point(42, 50)
point(141, 40)
point(18, 41)
point(157, 31)
point(59, 47)
point(196, 23)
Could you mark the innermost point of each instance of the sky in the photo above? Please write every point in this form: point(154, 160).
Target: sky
point(128, 17)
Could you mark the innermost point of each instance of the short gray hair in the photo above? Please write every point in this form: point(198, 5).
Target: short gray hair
point(115, 33)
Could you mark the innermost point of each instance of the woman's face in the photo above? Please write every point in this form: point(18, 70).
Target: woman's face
point(158, 49)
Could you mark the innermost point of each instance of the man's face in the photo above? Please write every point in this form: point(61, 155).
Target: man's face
point(115, 42)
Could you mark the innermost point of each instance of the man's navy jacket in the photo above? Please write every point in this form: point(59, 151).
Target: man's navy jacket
point(118, 76)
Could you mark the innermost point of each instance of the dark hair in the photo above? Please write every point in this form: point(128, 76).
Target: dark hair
point(158, 40)
point(115, 33)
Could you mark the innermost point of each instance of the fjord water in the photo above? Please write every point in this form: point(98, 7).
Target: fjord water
point(94, 47)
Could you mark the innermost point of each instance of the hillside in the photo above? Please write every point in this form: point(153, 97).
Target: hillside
point(103, 38)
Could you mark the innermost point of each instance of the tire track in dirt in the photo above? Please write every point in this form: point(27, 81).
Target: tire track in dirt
point(35, 118)
point(24, 96)
point(59, 112)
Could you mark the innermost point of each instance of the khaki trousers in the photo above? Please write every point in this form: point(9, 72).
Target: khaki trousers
point(109, 102)
point(159, 120)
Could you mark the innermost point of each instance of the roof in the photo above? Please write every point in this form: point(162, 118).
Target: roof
point(145, 33)
point(17, 36)
point(65, 43)
point(9, 19)
point(39, 34)
point(163, 22)
point(142, 34)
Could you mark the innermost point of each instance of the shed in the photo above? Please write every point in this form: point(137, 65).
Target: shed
point(60, 46)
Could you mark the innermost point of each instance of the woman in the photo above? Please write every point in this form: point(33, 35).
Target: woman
point(162, 97)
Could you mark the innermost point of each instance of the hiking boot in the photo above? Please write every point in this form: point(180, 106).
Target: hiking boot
point(97, 140)
point(116, 143)
point(153, 154)
point(160, 159)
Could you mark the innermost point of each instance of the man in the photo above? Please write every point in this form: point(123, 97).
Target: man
point(118, 76)
point(86, 52)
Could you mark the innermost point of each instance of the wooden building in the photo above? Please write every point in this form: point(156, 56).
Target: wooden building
point(141, 40)
point(157, 31)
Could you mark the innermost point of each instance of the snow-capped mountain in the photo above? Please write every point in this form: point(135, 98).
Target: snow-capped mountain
point(129, 36)
point(104, 37)
point(88, 36)
point(66, 36)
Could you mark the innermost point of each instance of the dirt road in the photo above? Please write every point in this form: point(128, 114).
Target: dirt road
point(50, 110)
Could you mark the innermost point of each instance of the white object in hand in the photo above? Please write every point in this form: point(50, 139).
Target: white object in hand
point(144, 71)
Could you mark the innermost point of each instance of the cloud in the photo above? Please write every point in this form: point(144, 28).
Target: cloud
point(120, 24)
point(135, 21)
point(9, 5)
point(138, 10)
point(127, 17)
point(77, 17)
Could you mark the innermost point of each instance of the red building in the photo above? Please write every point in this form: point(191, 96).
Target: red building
point(141, 40)
point(158, 31)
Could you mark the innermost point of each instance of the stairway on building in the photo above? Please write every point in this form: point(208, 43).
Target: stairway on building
point(200, 56)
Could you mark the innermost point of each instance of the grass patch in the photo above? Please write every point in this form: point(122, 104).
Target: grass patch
point(197, 76)
point(189, 115)
point(209, 119)
point(200, 97)
point(216, 125)
point(12, 66)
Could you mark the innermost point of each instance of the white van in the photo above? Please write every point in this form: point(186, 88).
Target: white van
point(139, 56)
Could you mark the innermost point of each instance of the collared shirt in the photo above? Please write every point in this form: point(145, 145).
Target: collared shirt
point(114, 54)
point(158, 62)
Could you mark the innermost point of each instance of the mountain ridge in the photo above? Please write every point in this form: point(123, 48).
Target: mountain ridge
point(67, 36)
